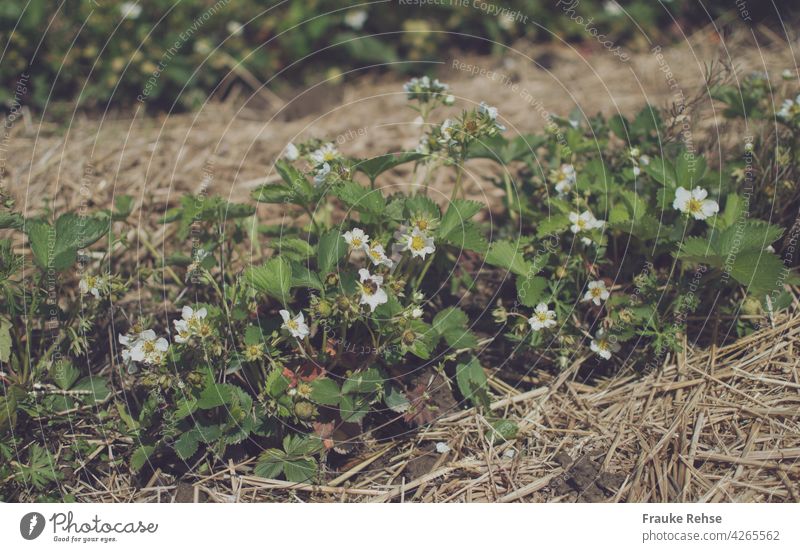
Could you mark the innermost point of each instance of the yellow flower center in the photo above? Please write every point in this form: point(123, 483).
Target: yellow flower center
point(369, 287)
point(602, 344)
point(253, 352)
point(597, 292)
point(417, 243)
point(149, 346)
point(375, 254)
point(292, 324)
point(581, 223)
point(356, 242)
point(542, 316)
point(91, 281)
point(329, 156)
point(422, 224)
point(694, 206)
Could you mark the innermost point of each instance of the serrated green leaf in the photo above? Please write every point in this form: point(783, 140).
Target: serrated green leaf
point(395, 400)
point(662, 171)
point(294, 249)
point(530, 290)
point(273, 278)
point(733, 210)
point(699, 249)
point(270, 464)
point(57, 246)
point(325, 391)
point(353, 408)
point(140, 456)
point(376, 165)
point(187, 444)
point(301, 188)
point(330, 250)
point(690, 169)
point(747, 235)
point(304, 277)
point(5, 340)
point(64, 374)
point(459, 212)
point(472, 382)
point(553, 225)
point(359, 198)
point(301, 470)
point(508, 255)
point(367, 381)
point(97, 387)
point(468, 238)
point(451, 323)
point(760, 272)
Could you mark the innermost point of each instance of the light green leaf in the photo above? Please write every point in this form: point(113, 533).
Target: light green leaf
point(273, 278)
point(359, 198)
point(458, 213)
point(301, 470)
point(508, 255)
point(187, 444)
point(325, 391)
point(98, 387)
point(330, 249)
point(270, 463)
point(64, 374)
point(5, 340)
point(530, 290)
point(451, 323)
point(472, 382)
point(375, 166)
point(140, 456)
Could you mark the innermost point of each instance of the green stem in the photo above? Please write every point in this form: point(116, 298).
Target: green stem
point(457, 187)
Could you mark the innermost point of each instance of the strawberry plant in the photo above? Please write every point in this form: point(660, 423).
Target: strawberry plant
point(380, 308)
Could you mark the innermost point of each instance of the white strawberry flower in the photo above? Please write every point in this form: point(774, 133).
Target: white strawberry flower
point(144, 347)
point(694, 203)
point(130, 10)
point(189, 324)
point(603, 346)
point(95, 285)
point(446, 131)
point(291, 153)
point(416, 312)
point(565, 178)
point(419, 243)
point(543, 318)
point(491, 113)
point(377, 255)
point(356, 238)
point(371, 292)
point(584, 222)
point(325, 154)
point(322, 174)
point(295, 325)
point(596, 292)
point(355, 19)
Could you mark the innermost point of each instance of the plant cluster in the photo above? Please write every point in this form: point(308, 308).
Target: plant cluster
point(296, 342)
point(170, 55)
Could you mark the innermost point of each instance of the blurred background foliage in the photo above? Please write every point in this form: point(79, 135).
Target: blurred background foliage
point(108, 52)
